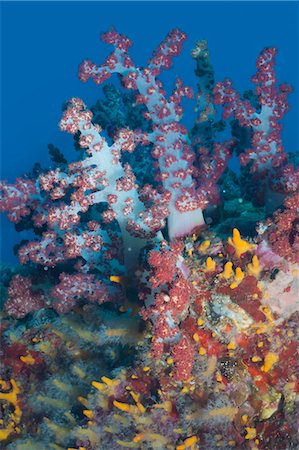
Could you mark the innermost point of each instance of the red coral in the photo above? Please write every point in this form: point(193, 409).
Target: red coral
point(284, 230)
point(266, 152)
point(22, 299)
point(202, 295)
point(210, 344)
point(15, 198)
point(74, 287)
point(172, 294)
point(189, 326)
point(183, 355)
point(163, 264)
point(16, 356)
point(247, 295)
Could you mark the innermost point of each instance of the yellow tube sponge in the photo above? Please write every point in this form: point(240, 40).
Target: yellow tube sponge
point(210, 265)
point(240, 245)
point(254, 267)
point(227, 271)
point(269, 361)
point(11, 397)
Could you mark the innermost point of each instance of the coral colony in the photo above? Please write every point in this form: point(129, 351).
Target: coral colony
point(155, 307)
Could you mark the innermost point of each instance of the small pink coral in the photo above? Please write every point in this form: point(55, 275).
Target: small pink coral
point(22, 299)
point(183, 356)
point(72, 288)
point(284, 230)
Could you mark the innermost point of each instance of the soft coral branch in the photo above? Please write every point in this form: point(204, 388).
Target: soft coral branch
point(58, 199)
point(266, 155)
point(118, 188)
point(267, 149)
point(169, 138)
point(171, 297)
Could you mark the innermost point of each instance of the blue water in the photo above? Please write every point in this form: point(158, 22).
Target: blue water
point(44, 42)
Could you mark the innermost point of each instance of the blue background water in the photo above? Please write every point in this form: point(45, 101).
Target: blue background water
point(44, 42)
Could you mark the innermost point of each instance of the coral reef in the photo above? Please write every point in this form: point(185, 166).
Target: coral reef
point(157, 306)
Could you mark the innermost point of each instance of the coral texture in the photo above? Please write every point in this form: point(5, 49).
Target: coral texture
point(143, 314)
